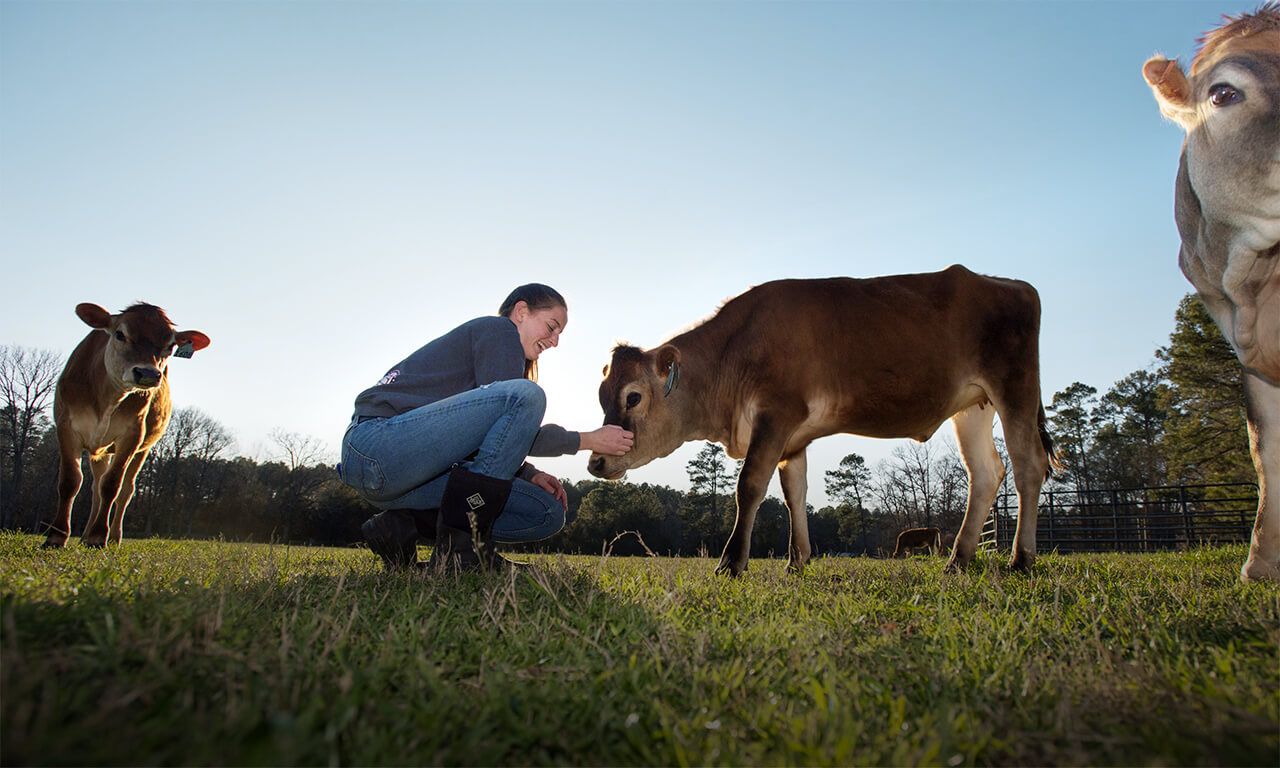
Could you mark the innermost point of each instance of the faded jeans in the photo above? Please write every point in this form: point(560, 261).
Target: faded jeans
point(403, 462)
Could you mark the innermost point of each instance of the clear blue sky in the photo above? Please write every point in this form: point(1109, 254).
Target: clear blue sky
point(323, 186)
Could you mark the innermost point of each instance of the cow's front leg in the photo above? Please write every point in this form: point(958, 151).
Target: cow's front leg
point(763, 455)
point(1263, 409)
point(115, 522)
point(70, 477)
point(794, 474)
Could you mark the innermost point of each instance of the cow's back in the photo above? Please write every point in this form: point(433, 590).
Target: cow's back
point(868, 351)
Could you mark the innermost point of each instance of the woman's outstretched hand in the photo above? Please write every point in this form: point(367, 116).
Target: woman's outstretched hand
point(610, 440)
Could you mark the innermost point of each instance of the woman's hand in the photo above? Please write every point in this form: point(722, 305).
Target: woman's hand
point(610, 440)
point(552, 486)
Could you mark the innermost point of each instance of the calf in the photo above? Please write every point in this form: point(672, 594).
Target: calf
point(1227, 207)
point(112, 400)
point(916, 538)
point(790, 361)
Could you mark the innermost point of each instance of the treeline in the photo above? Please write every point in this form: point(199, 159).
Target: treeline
point(1180, 421)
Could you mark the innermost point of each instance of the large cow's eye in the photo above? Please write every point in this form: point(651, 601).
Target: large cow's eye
point(633, 400)
point(120, 337)
point(1221, 95)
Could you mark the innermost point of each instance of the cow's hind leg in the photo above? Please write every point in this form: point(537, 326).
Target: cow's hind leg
point(70, 477)
point(973, 428)
point(95, 531)
point(795, 488)
point(1028, 453)
point(1263, 401)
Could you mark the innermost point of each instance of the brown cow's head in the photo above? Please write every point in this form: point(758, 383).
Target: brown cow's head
point(140, 341)
point(641, 393)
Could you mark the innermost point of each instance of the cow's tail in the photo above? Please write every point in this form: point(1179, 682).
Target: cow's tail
point(1055, 461)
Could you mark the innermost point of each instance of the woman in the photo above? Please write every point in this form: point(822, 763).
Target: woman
point(440, 442)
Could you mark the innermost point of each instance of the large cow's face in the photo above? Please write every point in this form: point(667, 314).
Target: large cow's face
point(641, 393)
point(140, 341)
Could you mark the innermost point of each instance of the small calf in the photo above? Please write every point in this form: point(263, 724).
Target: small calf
point(112, 400)
point(916, 538)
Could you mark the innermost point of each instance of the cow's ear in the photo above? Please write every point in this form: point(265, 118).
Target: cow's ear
point(1171, 88)
point(196, 339)
point(94, 316)
point(605, 371)
point(667, 360)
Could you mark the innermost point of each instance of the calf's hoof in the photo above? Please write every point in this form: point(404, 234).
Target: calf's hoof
point(54, 542)
point(726, 568)
point(1257, 569)
point(958, 562)
point(1022, 560)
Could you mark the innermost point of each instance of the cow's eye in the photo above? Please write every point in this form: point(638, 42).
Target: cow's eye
point(633, 400)
point(120, 336)
point(1221, 95)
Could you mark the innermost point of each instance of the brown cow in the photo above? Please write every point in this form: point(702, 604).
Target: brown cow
point(916, 538)
point(790, 361)
point(112, 400)
point(1227, 206)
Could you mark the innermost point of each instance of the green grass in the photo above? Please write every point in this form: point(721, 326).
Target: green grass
point(211, 653)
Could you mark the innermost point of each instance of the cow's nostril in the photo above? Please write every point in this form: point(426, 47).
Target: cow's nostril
point(596, 465)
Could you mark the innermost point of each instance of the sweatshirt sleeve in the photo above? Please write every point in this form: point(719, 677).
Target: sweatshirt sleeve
point(555, 440)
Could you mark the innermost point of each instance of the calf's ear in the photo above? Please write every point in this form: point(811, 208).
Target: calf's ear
point(667, 360)
point(196, 339)
point(1172, 90)
point(93, 316)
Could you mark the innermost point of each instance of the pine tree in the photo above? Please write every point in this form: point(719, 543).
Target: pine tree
point(1205, 438)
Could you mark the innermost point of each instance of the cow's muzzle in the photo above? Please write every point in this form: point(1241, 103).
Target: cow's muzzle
point(146, 377)
point(598, 466)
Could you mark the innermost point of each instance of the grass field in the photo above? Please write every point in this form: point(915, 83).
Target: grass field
point(213, 653)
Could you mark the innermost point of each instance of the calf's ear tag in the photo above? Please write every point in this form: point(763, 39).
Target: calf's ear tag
point(186, 350)
point(673, 379)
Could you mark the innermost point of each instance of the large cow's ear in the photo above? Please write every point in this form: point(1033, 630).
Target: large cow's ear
point(94, 316)
point(196, 339)
point(1171, 88)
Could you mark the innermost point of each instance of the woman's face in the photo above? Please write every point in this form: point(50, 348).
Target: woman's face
point(539, 328)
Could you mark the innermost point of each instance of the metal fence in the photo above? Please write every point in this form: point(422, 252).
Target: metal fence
point(1135, 519)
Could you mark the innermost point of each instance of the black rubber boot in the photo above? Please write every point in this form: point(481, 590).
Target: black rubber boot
point(393, 536)
point(464, 527)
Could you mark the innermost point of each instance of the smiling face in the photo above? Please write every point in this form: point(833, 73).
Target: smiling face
point(539, 329)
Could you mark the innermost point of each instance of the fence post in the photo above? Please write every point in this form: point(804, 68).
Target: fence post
point(1115, 521)
point(1187, 522)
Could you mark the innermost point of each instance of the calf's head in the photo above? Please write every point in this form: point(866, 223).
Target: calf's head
point(641, 393)
point(140, 341)
point(1229, 106)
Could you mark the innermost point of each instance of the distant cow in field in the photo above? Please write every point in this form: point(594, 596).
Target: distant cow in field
point(1227, 206)
point(790, 361)
point(112, 400)
point(917, 538)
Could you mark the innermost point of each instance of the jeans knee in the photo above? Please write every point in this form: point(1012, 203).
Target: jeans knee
point(528, 395)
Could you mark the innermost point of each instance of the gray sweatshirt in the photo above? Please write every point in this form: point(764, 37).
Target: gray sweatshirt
point(478, 352)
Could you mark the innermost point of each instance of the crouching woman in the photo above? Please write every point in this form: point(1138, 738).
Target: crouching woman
point(440, 443)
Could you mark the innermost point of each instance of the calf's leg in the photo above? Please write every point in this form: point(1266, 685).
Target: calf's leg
point(95, 531)
point(795, 487)
point(973, 428)
point(115, 520)
point(763, 454)
point(1263, 410)
point(70, 477)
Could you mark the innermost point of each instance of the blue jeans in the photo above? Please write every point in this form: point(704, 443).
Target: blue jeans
point(403, 462)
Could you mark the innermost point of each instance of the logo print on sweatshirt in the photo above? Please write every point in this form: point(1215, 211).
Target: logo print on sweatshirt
point(475, 501)
point(391, 376)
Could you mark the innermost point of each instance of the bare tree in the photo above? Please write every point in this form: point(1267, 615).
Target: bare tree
point(298, 450)
point(27, 381)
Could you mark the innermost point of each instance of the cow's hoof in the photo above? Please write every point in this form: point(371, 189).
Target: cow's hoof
point(1022, 561)
point(957, 563)
point(795, 568)
point(54, 542)
point(94, 543)
point(727, 569)
point(1256, 569)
